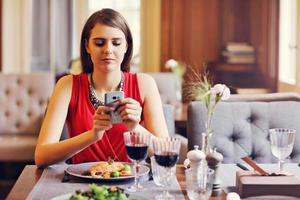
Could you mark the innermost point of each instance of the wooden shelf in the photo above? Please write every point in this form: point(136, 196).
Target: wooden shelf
point(236, 75)
point(232, 68)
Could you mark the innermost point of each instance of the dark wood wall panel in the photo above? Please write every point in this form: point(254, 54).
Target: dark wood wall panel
point(196, 31)
point(190, 31)
point(235, 21)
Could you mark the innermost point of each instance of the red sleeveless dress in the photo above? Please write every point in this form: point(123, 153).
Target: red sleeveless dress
point(79, 120)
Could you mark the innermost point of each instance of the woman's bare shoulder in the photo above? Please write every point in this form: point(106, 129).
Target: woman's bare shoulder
point(64, 84)
point(65, 81)
point(145, 78)
point(147, 85)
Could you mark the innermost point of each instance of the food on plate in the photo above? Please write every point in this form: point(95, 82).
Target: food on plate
point(110, 169)
point(100, 193)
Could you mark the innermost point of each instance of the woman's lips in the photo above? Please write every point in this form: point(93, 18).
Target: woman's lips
point(107, 60)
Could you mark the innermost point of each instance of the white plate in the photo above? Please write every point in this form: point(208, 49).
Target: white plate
point(67, 197)
point(272, 197)
point(79, 171)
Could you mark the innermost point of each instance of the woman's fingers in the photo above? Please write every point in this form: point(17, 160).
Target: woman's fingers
point(130, 111)
point(104, 110)
point(102, 119)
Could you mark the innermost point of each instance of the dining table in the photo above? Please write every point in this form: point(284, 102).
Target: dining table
point(31, 175)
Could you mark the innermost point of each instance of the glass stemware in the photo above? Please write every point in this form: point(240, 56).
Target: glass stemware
point(199, 185)
point(282, 142)
point(136, 148)
point(166, 154)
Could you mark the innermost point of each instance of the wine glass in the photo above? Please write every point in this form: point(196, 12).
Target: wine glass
point(282, 142)
point(166, 154)
point(136, 147)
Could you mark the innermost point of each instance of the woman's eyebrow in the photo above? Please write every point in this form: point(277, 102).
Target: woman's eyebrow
point(99, 38)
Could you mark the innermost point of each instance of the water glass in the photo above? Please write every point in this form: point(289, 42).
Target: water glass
point(199, 184)
point(282, 142)
point(158, 172)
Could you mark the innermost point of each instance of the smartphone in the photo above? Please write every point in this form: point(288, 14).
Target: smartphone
point(111, 99)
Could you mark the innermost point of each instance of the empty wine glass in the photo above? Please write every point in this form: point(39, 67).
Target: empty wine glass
point(282, 142)
point(136, 148)
point(166, 154)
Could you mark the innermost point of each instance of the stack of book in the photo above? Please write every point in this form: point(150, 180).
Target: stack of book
point(238, 52)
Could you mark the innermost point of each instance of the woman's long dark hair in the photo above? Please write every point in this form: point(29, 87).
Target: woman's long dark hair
point(110, 18)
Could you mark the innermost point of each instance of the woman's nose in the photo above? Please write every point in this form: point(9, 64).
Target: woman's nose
point(108, 48)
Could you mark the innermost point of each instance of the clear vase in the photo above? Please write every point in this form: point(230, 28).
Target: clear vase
point(206, 139)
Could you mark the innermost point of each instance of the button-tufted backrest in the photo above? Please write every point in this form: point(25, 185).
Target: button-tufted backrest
point(23, 99)
point(241, 128)
point(166, 84)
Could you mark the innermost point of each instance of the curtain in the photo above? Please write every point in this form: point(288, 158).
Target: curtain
point(16, 30)
point(37, 35)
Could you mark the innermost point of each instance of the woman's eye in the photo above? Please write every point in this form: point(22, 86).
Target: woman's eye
point(116, 43)
point(99, 43)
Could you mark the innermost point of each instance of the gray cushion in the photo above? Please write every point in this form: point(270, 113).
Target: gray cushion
point(241, 128)
point(166, 83)
point(169, 117)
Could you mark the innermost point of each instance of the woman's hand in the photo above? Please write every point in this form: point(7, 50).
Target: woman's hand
point(130, 112)
point(101, 121)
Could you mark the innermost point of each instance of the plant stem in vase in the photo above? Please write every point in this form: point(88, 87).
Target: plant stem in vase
point(206, 137)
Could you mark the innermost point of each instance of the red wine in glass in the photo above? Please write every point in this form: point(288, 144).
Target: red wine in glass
point(136, 144)
point(166, 151)
point(137, 152)
point(166, 159)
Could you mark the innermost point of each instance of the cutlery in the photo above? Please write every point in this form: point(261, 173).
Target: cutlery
point(243, 167)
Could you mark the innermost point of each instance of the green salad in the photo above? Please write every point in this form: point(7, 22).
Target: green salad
point(100, 193)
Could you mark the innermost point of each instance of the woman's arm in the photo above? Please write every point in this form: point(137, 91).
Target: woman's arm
point(49, 150)
point(152, 110)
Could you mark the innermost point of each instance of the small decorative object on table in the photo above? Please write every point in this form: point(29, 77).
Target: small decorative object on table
point(199, 87)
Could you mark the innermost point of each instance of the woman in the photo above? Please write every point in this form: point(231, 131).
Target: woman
point(106, 50)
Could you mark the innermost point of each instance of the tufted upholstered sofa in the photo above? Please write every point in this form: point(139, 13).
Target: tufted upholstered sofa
point(166, 83)
point(23, 99)
point(240, 126)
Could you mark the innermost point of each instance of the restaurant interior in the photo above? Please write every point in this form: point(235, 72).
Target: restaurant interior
point(250, 46)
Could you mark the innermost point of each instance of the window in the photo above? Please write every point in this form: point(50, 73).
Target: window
point(130, 9)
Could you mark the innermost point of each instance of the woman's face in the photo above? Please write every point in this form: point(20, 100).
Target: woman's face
point(107, 47)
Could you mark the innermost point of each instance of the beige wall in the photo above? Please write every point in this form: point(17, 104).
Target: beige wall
point(284, 87)
point(150, 36)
